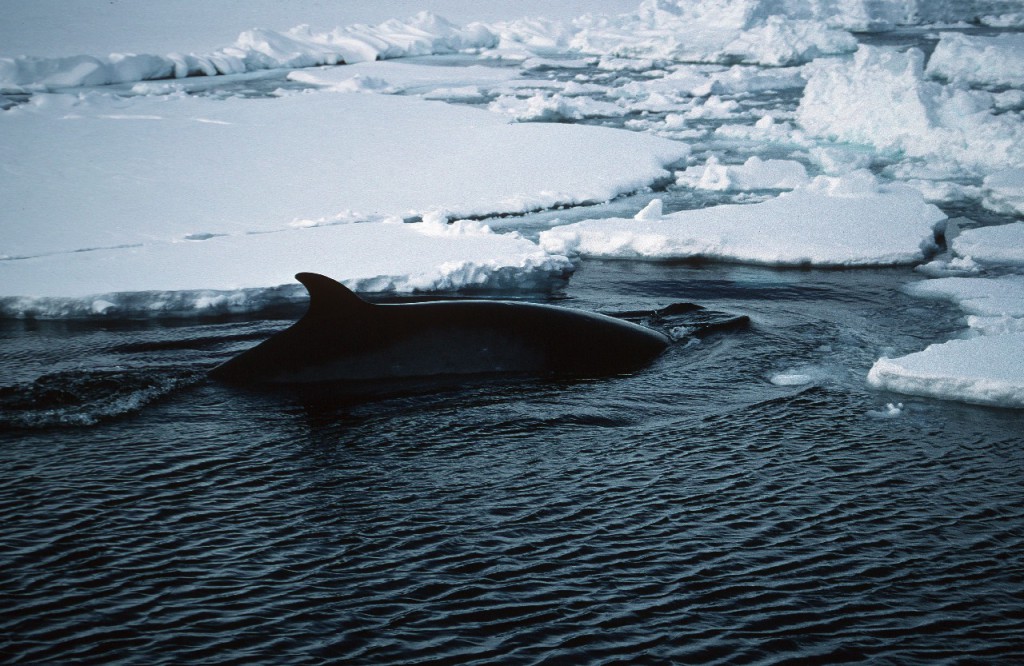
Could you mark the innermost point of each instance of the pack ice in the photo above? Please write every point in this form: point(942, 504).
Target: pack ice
point(850, 221)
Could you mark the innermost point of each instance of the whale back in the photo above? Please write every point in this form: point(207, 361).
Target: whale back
point(344, 338)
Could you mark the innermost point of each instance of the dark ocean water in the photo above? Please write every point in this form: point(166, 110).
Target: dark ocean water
point(691, 512)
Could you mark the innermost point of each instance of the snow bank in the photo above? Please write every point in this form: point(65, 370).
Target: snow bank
point(981, 61)
point(256, 49)
point(848, 221)
point(985, 370)
point(754, 174)
point(100, 171)
point(251, 272)
point(880, 98)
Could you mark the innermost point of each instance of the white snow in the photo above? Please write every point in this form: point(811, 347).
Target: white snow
point(982, 61)
point(986, 370)
point(1002, 244)
point(71, 27)
point(255, 49)
point(543, 107)
point(754, 174)
point(109, 197)
point(105, 171)
point(1004, 191)
point(393, 76)
point(990, 297)
point(711, 31)
point(881, 98)
point(848, 221)
point(252, 271)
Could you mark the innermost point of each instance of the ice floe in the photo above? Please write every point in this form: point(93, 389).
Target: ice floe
point(1003, 244)
point(982, 61)
point(987, 367)
point(711, 31)
point(255, 49)
point(554, 108)
point(986, 370)
point(106, 171)
point(250, 272)
point(1003, 191)
point(395, 76)
point(754, 174)
point(848, 221)
point(881, 98)
point(989, 297)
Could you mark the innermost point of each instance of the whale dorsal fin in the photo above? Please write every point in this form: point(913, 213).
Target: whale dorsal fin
point(329, 298)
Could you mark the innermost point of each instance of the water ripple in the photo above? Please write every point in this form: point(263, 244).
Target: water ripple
point(628, 520)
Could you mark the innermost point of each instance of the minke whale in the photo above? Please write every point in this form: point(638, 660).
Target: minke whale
point(343, 338)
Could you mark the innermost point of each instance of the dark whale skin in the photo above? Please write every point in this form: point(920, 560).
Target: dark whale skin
point(342, 338)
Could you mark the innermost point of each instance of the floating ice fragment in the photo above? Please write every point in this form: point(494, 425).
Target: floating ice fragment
point(101, 307)
point(985, 370)
point(754, 174)
point(1003, 244)
point(306, 157)
point(554, 108)
point(791, 379)
point(946, 266)
point(890, 411)
point(850, 221)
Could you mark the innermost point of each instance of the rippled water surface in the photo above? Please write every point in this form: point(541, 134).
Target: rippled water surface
point(692, 512)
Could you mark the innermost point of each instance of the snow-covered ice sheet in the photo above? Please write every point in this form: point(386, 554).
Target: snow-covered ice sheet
point(987, 370)
point(250, 272)
point(849, 221)
point(103, 171)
